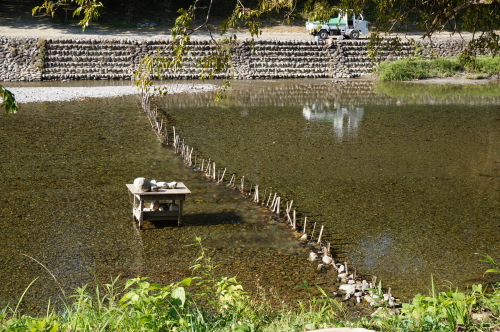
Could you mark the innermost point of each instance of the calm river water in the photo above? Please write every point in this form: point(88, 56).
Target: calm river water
point(405, 179)
point(64, 203)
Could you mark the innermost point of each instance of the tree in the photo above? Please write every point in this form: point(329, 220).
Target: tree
point(481, 17)
point(8, 101)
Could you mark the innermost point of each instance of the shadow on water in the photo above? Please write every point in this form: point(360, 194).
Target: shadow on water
point(64, 203)
point(202, 219)
point(405, 187)
point(404, 177)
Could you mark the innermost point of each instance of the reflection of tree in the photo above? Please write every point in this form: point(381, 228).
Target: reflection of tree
point(346, 120)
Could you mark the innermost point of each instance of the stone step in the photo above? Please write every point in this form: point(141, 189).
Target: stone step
point(82, 63)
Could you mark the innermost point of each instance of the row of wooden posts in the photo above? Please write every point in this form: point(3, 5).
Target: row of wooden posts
point(272, 201)
point(210, 171)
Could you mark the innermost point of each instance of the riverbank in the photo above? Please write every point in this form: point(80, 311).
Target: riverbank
point(67, 93)
point(211, 117)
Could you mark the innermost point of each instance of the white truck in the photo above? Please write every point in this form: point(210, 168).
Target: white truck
point(345, 25)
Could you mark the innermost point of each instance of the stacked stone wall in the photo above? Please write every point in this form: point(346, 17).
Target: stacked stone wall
point(32, 59)
point(21, 59)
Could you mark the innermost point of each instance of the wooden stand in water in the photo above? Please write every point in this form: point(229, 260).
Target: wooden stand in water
point(141, 212)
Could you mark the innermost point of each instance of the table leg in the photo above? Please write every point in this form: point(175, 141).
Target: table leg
point(179, 217)
point(141, 207)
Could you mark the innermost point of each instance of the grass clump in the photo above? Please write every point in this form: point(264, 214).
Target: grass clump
point(220, 304)
point(421, 68)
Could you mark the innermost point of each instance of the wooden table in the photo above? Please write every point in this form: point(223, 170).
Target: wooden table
point(141, 212)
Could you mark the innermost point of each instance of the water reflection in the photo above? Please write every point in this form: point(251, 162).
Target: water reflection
point(412, 192)
point(64, 203)
point(346, 120)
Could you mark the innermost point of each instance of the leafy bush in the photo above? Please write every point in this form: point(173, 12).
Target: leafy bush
point(139, 305)
point(411, 69)
point(403, 70)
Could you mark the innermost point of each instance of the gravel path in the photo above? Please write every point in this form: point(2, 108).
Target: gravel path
point(41, 94)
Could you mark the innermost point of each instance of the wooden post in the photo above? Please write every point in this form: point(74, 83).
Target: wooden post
point(222, 177)
point(312, 234)
point(320, 233)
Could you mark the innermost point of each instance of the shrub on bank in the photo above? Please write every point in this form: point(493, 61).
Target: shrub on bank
point(412, 69)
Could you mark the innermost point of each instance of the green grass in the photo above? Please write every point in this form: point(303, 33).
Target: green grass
point(220, 304)
point(412, 69)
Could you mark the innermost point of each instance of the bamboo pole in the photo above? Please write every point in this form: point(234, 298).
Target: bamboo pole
point(312, 234)
point(294, 223)
point(222, 177)
point(320, 233)
point(242, 188)
point(305, 224)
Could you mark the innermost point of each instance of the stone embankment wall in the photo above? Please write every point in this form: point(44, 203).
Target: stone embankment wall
point(21, 59)
point(88, 59)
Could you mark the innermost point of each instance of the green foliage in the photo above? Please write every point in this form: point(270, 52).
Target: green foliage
point(222, 305)
point(403, 70)
point(91, 9)
point(138, 305)
point(438, 311)
point(486, 65)
point(8, 101)
point(488, 259)
point(411, 69)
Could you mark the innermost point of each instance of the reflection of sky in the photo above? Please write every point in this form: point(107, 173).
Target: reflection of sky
point(346, 120)
point(373, 252)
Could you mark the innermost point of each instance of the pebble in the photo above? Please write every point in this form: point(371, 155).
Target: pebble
point(41, 94)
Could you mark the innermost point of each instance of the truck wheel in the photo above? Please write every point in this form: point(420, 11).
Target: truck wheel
point(354, 34)
point(323, 34)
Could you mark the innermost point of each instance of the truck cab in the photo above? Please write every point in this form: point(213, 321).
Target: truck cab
point(347, 24)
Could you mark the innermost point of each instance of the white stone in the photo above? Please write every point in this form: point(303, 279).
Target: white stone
point(327, 260)
point(347, 288)
point(142, 184)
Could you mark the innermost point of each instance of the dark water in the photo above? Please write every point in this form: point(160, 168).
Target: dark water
point(405, 177)
point(64, 203)
point(404, 180)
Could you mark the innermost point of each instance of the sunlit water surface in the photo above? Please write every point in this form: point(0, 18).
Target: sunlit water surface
point(404, 177)
point(64, 204)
